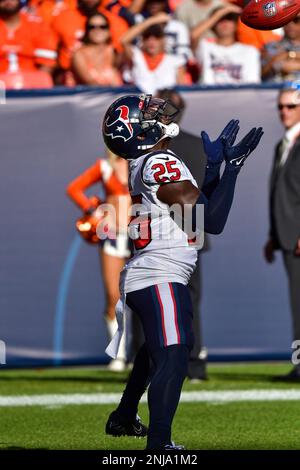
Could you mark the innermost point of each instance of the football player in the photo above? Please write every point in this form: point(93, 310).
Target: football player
point(154, 282)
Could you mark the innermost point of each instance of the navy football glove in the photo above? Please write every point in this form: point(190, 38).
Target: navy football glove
point(237, 154)
point(215, 150)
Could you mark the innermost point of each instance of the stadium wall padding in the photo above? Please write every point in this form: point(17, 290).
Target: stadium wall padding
point(51, 294)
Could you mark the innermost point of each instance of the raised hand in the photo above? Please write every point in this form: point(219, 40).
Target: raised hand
point(159, 18)
point(215, 149)
point(236, 155)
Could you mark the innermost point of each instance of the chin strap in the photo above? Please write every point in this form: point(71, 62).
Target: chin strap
point(170, 130)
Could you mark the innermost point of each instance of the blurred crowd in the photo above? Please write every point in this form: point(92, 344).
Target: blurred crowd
point(152, 44)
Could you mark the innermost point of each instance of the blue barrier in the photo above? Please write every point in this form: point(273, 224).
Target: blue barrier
point(66, 91)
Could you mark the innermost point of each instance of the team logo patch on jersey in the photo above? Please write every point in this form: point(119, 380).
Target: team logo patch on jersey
point(120, 127)
point(270, 9)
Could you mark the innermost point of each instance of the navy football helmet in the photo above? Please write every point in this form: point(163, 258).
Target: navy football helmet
point(134, 124)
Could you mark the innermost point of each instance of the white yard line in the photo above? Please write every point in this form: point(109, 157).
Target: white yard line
point(226, 396)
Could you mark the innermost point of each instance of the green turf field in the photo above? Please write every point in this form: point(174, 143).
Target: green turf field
point(263, 424)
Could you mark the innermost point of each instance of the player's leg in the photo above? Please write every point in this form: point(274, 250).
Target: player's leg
point(166, 314)
point(134, 336)
point(170, 370)
point(163, 396)
point(124, 420)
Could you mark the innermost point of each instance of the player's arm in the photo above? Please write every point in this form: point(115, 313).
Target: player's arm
point(214, 151)
point(181, 192)
point(218, 202)
point(217, 206)
point(216, 209)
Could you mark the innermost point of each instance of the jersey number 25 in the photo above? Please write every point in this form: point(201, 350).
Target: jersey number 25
point(166, 172)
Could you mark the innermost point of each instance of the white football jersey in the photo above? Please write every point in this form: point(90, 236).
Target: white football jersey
point(162, 251)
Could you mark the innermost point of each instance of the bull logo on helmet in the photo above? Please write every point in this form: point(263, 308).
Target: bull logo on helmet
point(120, 127)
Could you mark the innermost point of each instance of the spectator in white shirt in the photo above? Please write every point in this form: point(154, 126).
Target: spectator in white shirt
point(151, 67)
point(225, 60)
point(177, 34)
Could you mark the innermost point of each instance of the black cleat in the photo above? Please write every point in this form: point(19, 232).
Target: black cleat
point(117, 427)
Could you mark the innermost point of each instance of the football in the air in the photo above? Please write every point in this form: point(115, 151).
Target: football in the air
point(266, 15)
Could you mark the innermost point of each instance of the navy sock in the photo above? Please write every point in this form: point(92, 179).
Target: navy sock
point(170, 370)
point(136, 386)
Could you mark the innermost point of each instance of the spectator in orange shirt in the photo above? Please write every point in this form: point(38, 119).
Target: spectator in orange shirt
point(95, 63)
point(46, 9)
point(69, 26)
point(255, 37)
point(26, 42)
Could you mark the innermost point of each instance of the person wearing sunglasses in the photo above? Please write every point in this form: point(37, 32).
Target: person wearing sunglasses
point(69, 28)
point(281, 59)
point(95, 63)
point(284, 234)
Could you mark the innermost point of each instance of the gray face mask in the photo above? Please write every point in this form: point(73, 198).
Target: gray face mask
point(175, 104)
point(160, 110)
